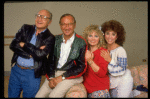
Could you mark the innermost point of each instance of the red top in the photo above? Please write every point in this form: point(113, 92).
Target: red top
point(94, 81)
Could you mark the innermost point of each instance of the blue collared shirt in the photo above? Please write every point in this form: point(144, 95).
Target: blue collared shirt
point(28, 62)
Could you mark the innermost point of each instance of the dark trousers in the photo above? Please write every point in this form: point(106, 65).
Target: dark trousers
point(23, 79)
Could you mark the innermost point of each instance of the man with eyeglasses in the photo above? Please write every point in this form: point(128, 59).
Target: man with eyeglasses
point(68, 63)
point(31, 46)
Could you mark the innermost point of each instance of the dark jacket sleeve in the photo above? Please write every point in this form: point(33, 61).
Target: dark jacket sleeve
point(80, 68)
point(38, 53)
point(15, 47)
point(50, 69)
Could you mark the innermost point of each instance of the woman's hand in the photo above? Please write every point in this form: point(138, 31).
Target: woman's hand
point(106, 55)
point(89, 55)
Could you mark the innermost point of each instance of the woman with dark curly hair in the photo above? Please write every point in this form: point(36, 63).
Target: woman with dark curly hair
point(121, 81)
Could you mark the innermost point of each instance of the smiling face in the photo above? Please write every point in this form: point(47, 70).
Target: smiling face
point(93, 39)
point(67, 25)
point(42, 23)
point(110, 37)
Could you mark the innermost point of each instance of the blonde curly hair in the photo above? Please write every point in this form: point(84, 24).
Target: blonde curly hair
point(89, 29)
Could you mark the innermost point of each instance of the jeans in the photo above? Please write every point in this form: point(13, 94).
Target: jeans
point(23, 79)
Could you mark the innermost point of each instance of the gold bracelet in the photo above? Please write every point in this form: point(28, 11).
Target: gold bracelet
point(90, 62)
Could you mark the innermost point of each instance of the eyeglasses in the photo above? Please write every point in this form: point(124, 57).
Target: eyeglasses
point(37, 16)
point(69, 24)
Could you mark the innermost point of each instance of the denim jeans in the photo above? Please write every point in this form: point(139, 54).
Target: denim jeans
point(23, 79)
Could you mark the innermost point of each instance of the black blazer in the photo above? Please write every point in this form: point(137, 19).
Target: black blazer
point(40, 56)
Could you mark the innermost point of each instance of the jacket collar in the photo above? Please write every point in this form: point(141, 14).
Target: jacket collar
point(73, 50)
point(70, 39)
point(42, 31)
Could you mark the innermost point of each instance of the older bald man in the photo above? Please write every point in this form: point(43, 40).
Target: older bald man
point(31, 45)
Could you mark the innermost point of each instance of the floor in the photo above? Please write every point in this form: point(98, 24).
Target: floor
point(6, 82)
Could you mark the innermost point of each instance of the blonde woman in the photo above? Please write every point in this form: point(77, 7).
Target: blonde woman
point(96, 79)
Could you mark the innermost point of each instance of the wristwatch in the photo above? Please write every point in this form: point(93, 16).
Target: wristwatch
point(63, 78)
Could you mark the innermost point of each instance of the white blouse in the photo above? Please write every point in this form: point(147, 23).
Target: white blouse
point(117, 66)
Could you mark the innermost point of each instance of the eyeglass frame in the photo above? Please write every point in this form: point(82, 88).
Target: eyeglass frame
point(64, 25)
point(40, 16)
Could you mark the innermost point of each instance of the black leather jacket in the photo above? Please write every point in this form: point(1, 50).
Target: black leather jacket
point(40, 56)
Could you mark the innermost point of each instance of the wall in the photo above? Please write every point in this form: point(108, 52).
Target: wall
point(133, 15)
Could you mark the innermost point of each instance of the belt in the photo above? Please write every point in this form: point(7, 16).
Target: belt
point(25, 67)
